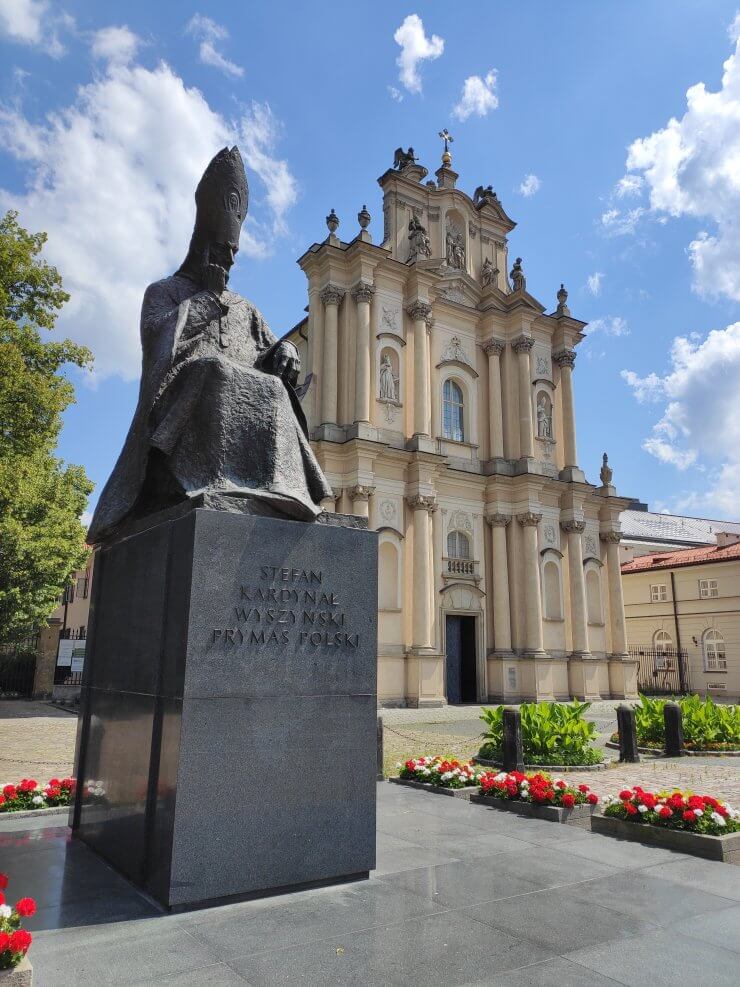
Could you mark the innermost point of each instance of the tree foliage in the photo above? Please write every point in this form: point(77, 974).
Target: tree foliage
point(41, 498)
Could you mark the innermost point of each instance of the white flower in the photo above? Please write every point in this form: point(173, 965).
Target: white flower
point(501, 776)
point(642, 808)
point(398, 764)
point(717, 818)
point(446, 776)
point(5, 911)
point(38, 800)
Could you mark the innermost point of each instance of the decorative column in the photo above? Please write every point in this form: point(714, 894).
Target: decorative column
point(500, 567)
point(532, 593)
point(421, 625)
point(565, 359)
point(361, 495)
point(579, 629)
point(329, 504)
point(493, 350)
point(331, 298)
point(362, 293)
point(420, 313)
point(522, 347)
point(616, 602)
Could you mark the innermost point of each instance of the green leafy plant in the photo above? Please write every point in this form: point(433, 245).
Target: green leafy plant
point(552, 733)
point(706, 725)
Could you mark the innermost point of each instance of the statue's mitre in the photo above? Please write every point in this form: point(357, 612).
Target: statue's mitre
point(222, 198)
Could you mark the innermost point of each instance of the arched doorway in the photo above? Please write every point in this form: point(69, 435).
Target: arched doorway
point(463, 644)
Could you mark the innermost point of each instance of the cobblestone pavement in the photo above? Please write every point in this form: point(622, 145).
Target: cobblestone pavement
point(36, 741)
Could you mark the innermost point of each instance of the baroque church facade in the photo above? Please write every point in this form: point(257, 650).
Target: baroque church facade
point(440, 406)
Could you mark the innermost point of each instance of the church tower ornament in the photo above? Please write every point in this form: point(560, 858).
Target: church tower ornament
point(448, 139)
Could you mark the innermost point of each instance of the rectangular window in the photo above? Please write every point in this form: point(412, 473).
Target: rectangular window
point(708, 588)
point(659, 593)
point(82, 586)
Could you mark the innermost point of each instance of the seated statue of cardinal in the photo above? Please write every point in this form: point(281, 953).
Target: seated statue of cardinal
point(217, 410)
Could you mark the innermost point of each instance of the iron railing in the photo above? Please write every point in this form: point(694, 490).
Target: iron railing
point(662, 671)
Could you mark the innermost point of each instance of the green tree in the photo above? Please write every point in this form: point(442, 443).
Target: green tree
point(42, 540)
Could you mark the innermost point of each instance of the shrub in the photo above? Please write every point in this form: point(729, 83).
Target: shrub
point(706, 725)
point(674, 810)
point(552, 733)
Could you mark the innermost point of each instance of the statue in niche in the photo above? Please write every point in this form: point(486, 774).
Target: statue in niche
point(217, 413)
point(388, 382)
point(488, 273)
point(419, 243)
point(402, 159)
point(518, 281)
point(544, 418)
point(454, 248)
point(483, 196)
point(606, 473)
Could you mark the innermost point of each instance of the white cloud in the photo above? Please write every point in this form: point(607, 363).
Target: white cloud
point(628, 185)
point(395, 94)
point(31, 22)
point(593, 283)
point(700, 423)
point(691, 167)
point(415, 47)
point(115, 44)
point(610, 325)
point(614, 222)
point(209, 33)
point(530, 185)
point(478, 97)
point(111, 179)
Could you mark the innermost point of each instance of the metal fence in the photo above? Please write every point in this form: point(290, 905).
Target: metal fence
point(662, 671)
point(63, 675)
point(18, 666)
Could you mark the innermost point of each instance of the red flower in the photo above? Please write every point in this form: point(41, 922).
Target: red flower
point(676, 800)
point(648, 799)
point(583, 788)
point(20, 940)
point(569, 800)
point(665, 812)
point(689, 816)
point(592, 798)
point(625, 794)
point(560, 784)
point(2, 898)
point(9, 791)
point(26, 907)
point(722, 810)
point(631, 808)
point(696, 802)
point(3, 881)
point(2, 800)
point(4, 941)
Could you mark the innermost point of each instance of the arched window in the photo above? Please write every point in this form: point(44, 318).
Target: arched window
point(551, 586)
point(662, 641)
point(715, 657)
point(453, 412)
point(388, 577)
point(593, 597)
point(458, 545)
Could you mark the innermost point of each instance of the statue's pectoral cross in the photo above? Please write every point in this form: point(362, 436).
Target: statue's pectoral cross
point(447, 138)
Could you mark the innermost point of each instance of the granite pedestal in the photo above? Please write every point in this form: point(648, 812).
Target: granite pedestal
point(228, 736)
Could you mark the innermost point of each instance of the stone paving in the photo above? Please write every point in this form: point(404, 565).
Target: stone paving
point(37, 740)
point(462, 895)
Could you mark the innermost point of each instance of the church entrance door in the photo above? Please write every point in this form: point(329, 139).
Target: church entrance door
point(462, 686)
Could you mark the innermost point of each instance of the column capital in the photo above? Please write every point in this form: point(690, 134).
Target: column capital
point(494, 347)
point(336, 492)
point(332, 294)
point(565, 358)
point(498, 520)
point(573, 526)
point(529, 519)
point(422, 502)
point(361, 491)
point(363, 291)
point(418, 310)
point(611, 537)
point(522, 344)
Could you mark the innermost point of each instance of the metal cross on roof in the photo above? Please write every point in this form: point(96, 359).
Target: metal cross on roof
point(447, 138)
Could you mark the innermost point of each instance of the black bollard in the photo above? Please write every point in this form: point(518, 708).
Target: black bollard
point(673, 718)
point(380, 775)
point(627, 734)
point(513, 751)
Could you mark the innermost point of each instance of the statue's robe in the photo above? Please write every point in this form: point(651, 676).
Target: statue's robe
point(210, 417)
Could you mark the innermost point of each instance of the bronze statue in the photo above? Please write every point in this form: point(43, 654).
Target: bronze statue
point(402, 159)
point(483, 196)
point(217, 411)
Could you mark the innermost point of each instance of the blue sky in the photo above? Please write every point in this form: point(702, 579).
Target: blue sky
point(108, 114)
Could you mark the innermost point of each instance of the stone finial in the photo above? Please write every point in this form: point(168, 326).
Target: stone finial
point(518, 281)
point(562, 308)
point(363, 217)
point(606, 473)
point(332, 222)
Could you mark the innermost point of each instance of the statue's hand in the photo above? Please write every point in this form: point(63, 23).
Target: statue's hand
point(287, 363)
point(214, 279)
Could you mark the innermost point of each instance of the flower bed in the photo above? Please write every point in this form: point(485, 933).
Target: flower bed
point(14, 941)
point(554, 735)
point(29, 795)
point(444, 775)
point(697, 824)
point(538, 795)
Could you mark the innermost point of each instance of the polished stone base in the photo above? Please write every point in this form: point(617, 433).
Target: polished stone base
point(228, 736)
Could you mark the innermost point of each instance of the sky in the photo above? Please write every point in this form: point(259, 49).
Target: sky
point(610, 130)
